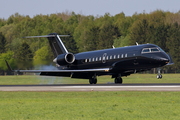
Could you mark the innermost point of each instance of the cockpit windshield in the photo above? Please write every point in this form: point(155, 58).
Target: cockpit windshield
point(151, 50)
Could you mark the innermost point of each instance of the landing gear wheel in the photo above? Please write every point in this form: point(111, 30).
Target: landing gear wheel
point(93, 81)
point(90, 81)
point(118, 80)
point(159, 76)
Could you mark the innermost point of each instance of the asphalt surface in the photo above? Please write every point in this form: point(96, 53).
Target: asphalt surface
point(97, 87)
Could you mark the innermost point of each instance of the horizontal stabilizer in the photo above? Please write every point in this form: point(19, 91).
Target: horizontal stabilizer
point(46, 36)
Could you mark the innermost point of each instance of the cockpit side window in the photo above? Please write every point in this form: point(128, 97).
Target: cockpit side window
point(145, 50)
point(154, 50)
point(150, 50)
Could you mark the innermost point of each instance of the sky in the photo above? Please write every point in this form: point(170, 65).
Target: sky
point(85, 7)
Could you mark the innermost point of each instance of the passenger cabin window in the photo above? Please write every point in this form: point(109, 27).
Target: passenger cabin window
point(126, 55)
point(111, 57)
point(122, 56)
point(118, 56)
point(114, 56)
point(89, 59)
point(85, 60)
point(107, 58)
point(96, 58)
point(93, 59)
point(99, 58)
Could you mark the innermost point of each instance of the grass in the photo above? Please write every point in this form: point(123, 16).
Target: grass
point(134, 78)
point(89, 105)
point(121, 105)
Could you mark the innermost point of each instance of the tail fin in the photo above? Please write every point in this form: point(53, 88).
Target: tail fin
point(55, 42)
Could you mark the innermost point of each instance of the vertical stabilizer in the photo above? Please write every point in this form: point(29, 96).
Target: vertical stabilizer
point(56, 44)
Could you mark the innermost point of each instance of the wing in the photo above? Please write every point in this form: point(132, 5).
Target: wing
point(59, 71)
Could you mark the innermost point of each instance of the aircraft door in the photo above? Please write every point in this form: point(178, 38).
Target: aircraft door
point(104, 58)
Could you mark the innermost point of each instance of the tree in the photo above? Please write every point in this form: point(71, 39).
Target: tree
point(122, 41)
point(2, 43)
point(42, 56)
point(173, 43)
point(159, 35)
point(24, 56)
point(91, 41)
point(8, 56)
point(139, 32)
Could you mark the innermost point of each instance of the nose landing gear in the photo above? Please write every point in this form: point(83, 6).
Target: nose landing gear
point(118, 80)
point(159, 76)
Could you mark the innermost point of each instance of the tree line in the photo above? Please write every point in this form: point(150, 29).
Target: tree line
point(86, 33)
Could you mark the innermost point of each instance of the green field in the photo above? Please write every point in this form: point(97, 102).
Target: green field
point(121, 105)
point(118, 105)
point(134, 78)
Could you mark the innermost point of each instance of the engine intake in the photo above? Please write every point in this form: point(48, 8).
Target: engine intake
point(65, 59)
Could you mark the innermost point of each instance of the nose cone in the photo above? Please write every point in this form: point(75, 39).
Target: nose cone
point(161, 57)
point(170, 60)
point(165, 58)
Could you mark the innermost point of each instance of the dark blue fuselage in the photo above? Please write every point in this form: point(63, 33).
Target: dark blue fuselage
point(122, 60)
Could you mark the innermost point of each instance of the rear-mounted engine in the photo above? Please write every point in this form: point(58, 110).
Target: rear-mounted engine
point(65, 59)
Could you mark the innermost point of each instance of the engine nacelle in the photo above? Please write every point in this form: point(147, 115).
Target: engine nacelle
point(65, 59)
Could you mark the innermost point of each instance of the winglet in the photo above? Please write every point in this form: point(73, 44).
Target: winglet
point(9, 66)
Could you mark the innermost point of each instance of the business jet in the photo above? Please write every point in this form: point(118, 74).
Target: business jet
point(117, 62)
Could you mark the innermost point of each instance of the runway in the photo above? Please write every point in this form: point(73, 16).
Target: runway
point(97, 87)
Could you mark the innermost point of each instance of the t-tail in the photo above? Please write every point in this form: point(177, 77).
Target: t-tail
point(55, 42)
point(61, 54)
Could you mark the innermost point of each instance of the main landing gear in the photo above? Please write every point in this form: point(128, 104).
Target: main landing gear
point(93, 80)
point(159, 76)
point(118, 80)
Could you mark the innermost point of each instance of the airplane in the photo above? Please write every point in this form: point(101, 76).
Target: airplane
point(117, 62)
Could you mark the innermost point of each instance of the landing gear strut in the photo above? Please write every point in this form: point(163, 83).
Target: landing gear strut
point(93, 80)
point(159, 76)
point(118, 80)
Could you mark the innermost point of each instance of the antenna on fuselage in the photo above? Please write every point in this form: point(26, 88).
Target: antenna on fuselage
point(113, 47)
point(137, 43)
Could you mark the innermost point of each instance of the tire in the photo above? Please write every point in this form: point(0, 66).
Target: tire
point(158, 76)
point(118, 81)
point(94, 81)
point(90, 81)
